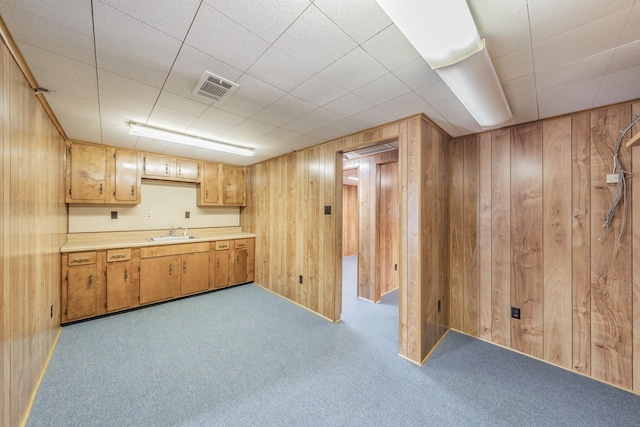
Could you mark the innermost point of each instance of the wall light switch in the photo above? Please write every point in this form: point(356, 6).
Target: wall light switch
point(148, 214)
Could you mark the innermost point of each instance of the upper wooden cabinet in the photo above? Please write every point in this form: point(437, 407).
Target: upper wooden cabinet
point(233, 185)
point(158, 166)
point(125, 177)
point(86, 174)
point(208, 192)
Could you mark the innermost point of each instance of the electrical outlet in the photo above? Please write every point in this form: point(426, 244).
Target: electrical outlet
point(149, 215)
point(114, 214)
point(51, 311)
point(327, 210)
point(300, 280)
point(515, 312)
point(187, 214)
point(613, 178)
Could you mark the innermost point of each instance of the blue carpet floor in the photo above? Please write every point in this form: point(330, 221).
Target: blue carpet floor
point(245, 357)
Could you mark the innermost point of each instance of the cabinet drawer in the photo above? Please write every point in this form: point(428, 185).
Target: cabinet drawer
point(118, 255)
point(240, 244)
point(82, 258)
point(222, 245)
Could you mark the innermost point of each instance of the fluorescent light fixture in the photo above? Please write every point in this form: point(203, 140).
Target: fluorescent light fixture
point(444, 33)
point(181, 138)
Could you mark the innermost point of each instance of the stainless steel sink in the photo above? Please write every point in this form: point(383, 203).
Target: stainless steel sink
point(170, 238)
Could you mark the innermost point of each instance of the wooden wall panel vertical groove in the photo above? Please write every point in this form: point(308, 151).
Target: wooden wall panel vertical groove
point(456, 280)
point(526, 238)
point(578, 290)
point(611, 294)
point(557, 242)
point(33, 225)
point(471, 275)
point(581, 245)
point(484, 236)
point(501, 237)
point(635, 250)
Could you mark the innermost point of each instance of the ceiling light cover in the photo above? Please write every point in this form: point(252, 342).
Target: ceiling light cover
point(193, 141)
point(442, 31)
point(475, 83)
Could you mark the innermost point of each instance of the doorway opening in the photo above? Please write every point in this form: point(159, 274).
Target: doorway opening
point(370, 226)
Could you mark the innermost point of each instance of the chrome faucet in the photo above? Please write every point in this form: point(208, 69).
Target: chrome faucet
point(173, 230)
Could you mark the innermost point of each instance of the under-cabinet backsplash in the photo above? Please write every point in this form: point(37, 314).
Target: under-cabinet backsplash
point(163, 206)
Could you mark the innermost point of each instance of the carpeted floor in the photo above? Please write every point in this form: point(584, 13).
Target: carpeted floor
point(245, 357)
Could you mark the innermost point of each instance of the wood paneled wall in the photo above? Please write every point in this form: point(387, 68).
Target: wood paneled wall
point(349, 220)
point(285, 202)
point(527, 205)
point(33, 227)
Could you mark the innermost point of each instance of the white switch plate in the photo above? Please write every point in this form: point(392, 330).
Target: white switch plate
point(148, 214)
point(612, 178)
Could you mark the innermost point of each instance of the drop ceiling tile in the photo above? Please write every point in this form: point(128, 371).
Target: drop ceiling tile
point(348, 105)
point(336, 130)
point(171, 119)
point(280, 136)
point(280, 70)
point(490, 11)
point(256, 91)
point(239, 106)
point(507, 35)
point(313, 28)
point(619, 86)
point(626, 56)
point(522, 98)
point(127, 87)
point(455, 113)
point(41, 60)
point(382, 89)
point(268, 20)
point(59, 84)
point(354, 70)
point(128, 65)
point(416, 74)
point(580, 69)
point(568, 98)
point(125, 102)
point(435, 92)
point(272, 117)
point(188, 69)
point(179, 150)
point(292, 106)
point(319, 90)
point(26, 28)
point(169, 16)
point(76, 18)
point(550, 18)
point(586, 40)
point(442, 122)
point(373, 116)
point(180, 103)
point(405, 105)
point(215, 122)
point(151, 145)
point(115, 126)
point(79, 117)
point(391, 48)
point(248, 131)
point(631, 30)
point(226, 40)
point(513, 65)
point(360, 19)
point(312, 121)
point(121, 31)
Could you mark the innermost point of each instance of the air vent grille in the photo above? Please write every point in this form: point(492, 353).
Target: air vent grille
point(214, 87)
point(374, 149)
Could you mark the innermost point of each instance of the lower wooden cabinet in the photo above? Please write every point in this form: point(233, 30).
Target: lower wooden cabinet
point(99, 282)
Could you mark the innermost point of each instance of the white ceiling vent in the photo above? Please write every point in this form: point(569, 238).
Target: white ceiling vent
point(214, 87)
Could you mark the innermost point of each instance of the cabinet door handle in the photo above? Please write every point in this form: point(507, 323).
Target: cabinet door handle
point(90, 280)
point(132, 190)
point(218, 263)
point(170, 269)
point(179, 170)
point(206, 194)
point(184, 267)
point(126, 275)
point(237, 260)
point(166, 168)
point(100, 188)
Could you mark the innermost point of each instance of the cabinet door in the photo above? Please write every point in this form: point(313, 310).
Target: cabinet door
point(195, 273)
point(86, 173)
point(209, 189)
point(221, 265)
point(126, 176)
point(188, 170)
point(157, 166)
point(158, 277)
point(233, 185)
point(240, 266)
point(119, 286)
point(82, 292)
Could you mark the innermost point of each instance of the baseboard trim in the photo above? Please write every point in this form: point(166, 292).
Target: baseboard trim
point(44, 369)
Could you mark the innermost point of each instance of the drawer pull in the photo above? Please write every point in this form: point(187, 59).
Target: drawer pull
point(77, 260)
point(118, 256)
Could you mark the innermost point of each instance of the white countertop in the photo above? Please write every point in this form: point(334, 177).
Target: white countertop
point(135, 239)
